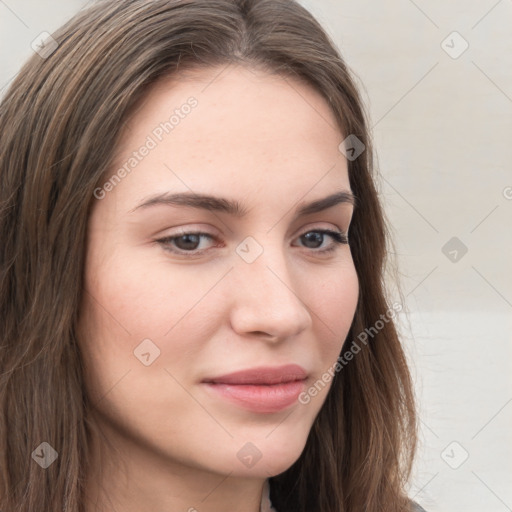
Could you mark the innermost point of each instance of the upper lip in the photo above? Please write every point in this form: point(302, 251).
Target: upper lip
point(262, 375)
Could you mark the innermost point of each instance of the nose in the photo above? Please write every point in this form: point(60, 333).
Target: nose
point(265, 299)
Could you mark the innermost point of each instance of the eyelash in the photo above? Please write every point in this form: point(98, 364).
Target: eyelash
point(338, 238)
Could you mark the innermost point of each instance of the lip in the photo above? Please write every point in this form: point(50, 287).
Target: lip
point(262, 375)
point(263, 389)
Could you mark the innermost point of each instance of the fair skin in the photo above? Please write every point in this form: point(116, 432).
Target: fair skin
point(271, 144)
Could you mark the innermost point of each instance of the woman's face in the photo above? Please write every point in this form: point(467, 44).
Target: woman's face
point(261, 286)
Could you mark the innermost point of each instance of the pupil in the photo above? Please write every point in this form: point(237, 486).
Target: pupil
point(313, 237)
point(191, 241)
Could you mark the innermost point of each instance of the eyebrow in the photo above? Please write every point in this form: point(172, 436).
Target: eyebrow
point(233, 207)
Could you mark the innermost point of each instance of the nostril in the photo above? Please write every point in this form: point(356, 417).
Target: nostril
point(262, 335)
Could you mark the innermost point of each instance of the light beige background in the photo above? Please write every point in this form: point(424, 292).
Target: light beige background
point(442, 127)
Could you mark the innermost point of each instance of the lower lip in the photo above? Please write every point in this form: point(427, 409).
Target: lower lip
point(260, 398)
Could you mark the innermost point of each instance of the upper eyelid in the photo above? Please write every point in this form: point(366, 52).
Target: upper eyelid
point(202, 231)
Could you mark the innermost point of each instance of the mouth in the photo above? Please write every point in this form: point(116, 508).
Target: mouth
point(262, 389)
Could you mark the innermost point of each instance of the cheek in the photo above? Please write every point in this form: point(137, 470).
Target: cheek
point(144, 300)
point(334, 305)
point(129, 302)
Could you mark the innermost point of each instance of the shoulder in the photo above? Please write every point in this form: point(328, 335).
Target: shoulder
point(416, 508)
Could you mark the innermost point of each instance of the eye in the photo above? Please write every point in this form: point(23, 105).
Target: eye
point(185, 242)
point(315, 238)
point(188, 243)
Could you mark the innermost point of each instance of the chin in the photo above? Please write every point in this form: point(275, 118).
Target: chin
point(268, 454)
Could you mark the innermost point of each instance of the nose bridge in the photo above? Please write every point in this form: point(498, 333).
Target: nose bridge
point(266, 298)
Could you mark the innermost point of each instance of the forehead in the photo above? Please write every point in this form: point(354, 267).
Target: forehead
point(231, 128)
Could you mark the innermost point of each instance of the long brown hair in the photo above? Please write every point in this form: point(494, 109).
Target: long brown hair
point(59, 124)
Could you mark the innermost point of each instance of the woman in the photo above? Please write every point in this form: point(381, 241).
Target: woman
point(193, 314)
